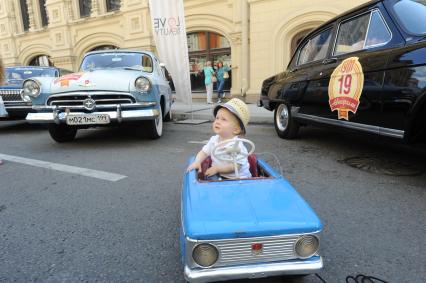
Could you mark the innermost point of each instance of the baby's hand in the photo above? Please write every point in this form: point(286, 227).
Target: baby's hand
point(195, 165)
point(212, 171)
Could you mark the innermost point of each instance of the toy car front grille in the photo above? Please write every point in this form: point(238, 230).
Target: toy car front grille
point(77, 99)
point(11, 95)
point(239, 251)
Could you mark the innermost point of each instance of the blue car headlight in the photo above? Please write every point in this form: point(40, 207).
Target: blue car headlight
point(142, 84)
point(31, 88)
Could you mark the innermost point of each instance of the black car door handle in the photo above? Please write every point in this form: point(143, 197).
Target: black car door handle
point(329, 61)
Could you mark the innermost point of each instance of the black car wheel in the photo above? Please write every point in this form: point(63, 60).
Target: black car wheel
point(155, 127)
point(285, 126)
point(62, 133)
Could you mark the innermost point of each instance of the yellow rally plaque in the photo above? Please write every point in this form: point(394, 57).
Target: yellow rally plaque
point(345, 87)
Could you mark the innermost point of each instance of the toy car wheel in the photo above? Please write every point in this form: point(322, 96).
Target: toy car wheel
point(155, 127)
point(285, 126)
point(62, 133)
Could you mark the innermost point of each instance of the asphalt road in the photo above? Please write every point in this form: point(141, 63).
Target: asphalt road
point(59, 226)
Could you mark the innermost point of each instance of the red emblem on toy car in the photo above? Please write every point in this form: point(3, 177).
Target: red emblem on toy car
point(256, 248)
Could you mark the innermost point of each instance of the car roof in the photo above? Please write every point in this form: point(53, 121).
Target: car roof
point(119, 51)
point(360, 7)
point(31, 67)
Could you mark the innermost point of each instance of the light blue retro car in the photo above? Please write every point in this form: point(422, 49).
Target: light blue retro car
point(246, 228)
point(16, 104)
point(112, 87)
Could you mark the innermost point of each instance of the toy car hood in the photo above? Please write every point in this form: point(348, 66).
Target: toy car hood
point(249, 208)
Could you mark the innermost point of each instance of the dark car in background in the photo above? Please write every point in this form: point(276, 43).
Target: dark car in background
point(16, 103)
point(364, 70)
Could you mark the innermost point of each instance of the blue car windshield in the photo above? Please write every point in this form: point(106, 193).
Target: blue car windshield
point(114, 60)
point(25, 73)
point(412, 15)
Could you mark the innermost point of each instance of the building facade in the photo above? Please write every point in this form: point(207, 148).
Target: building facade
point(255, 37)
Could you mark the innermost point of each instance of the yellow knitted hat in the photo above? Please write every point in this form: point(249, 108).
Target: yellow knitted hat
point(239, 109)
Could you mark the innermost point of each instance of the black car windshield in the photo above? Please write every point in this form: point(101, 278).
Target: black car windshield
point(412, 15)
point(25, 73)
point(112, 60)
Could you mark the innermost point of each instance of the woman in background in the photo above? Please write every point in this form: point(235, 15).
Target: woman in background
point(1, 82)
point(208, 80)
point(222, 75)
point(1, 72)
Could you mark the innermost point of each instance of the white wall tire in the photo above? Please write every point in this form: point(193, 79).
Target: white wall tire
point(155, 127)
point(285, 126)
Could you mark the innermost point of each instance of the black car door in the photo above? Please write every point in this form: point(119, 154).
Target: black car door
point(355, 67)
point(313, 59)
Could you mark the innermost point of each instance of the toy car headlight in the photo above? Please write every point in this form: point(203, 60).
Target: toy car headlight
point(205, 255)
point(306, 246)
point(142, 84)
point(30, 88)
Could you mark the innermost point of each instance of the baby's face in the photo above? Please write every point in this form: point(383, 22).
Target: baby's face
point(226, 124)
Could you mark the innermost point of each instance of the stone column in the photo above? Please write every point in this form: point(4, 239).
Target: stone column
point(95, 8)
point(31, 15)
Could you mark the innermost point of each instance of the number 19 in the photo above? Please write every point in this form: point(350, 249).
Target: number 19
point(345, 83)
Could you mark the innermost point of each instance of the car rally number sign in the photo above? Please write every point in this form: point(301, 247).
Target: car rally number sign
point(345, 87)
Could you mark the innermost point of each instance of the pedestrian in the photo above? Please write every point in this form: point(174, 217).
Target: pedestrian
point(222, 74)
point(1, 82)
point(209, 79)
point(2, 74)
point(230, 121)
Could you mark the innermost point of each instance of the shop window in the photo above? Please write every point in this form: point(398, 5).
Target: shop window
point(25, 16)
point(85, 7)
point(113, 5)
point(44, 20)
point(207, 46)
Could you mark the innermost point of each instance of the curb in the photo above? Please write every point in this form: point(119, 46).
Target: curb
point(204, 116)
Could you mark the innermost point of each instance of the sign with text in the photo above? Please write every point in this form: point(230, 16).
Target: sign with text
point(168, 27)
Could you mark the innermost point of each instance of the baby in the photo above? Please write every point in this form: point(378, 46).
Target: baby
point(230, 121)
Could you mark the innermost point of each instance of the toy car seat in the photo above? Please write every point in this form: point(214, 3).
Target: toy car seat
point(252, 160)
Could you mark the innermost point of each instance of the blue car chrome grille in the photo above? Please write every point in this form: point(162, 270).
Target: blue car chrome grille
point(239, 251)
point(76, 99)
point(11, 95)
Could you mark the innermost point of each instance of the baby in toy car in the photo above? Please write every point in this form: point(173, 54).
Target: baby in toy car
point(230, 122)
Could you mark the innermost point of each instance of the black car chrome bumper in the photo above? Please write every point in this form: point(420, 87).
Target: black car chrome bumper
point(253, 271)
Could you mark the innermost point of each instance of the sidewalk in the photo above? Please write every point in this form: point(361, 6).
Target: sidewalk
point(204, 111)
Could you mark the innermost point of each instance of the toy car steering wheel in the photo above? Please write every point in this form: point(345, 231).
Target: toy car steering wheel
point(232, 153)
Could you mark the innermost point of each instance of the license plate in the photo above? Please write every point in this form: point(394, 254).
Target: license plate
point(87, 119)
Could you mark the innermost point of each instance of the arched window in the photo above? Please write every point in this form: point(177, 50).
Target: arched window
point(207, 46)
point(44, 20)
point(104, 47)
point(85, 7)
point(24, 14)
point(41, 60)
point(113, 5)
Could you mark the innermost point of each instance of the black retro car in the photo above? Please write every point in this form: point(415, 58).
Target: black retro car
point(364, 70)
point(17, 104)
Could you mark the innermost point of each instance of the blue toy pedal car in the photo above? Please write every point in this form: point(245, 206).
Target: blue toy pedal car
point(246, 228)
